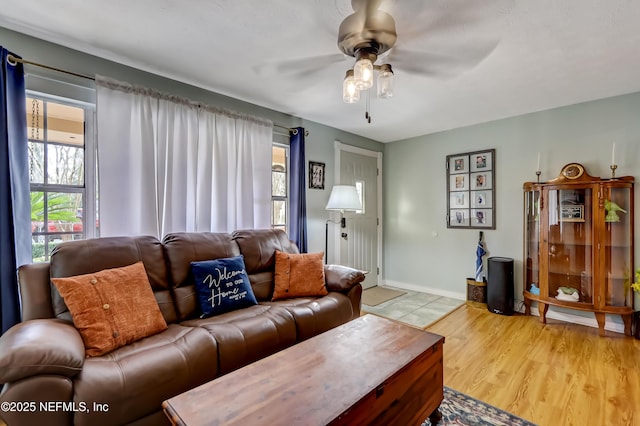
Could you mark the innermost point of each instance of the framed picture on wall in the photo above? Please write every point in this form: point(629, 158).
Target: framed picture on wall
point(459, 218)
point(481, 180)
point(481, 161)
point(482, 218)
point(459, 164)
point(316, 175)
point(471, 190)
point(459, 182)
point(481, 199)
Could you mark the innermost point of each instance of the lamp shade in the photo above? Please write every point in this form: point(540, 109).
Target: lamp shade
point(350, 93)
point(344, 198)
point(363, 73)
point(385, 82)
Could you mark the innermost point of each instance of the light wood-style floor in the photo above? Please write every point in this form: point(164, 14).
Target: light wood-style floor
point(553, 374)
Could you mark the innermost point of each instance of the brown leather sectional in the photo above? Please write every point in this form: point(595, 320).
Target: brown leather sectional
point(49, 381)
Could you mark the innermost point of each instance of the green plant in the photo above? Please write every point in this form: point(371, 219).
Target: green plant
point(60, 206)
point(37, 252)
point(636, 285)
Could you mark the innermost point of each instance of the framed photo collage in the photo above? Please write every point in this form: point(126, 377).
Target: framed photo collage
point(471, 190)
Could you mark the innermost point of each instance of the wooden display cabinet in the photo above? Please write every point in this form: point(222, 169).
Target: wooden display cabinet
point(578, 244)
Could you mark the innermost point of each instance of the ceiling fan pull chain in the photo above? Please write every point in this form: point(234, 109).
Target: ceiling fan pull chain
point(367, 115)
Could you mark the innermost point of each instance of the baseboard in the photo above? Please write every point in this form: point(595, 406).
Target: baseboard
point(574, 319)
point(423, 289)
point(551, 313)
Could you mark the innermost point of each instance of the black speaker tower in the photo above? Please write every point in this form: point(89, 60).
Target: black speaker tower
point(500, 285)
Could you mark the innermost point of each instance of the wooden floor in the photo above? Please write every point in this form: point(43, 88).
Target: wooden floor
point(553, 374)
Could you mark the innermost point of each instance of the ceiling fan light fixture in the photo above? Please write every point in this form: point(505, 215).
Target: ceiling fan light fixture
point(363, 73)
point(350, 93)
point(385, 82)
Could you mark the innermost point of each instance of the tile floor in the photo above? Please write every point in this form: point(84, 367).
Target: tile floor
point(415, 308)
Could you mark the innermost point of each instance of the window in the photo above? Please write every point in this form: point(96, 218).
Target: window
point(61, 183)
point(279, 186)
point(360, 189)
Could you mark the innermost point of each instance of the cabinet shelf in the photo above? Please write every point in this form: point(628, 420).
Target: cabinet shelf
point(568, 243)
point(588, 307)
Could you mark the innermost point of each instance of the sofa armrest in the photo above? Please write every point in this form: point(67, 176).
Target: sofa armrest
point(40, 346)
point(342, 278)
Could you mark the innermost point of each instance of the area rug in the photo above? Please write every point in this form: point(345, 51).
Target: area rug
point(461, 410)
point(376, 295)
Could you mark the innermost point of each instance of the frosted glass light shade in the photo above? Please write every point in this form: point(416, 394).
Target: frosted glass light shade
point(385, 83)
point(350, 93)
point(363, 73)
point(344, 198)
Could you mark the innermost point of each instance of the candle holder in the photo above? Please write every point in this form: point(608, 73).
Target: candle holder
point(613, 168)
point(538, 173)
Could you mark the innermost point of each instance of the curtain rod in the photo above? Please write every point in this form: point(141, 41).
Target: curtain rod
point(291, 129)
point(13, 61)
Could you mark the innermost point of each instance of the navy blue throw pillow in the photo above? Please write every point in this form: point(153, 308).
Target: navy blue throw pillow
point(222, 285)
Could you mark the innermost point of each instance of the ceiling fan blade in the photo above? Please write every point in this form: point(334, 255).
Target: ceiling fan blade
point(300, 65)
point(309, 63)
point(440, 65)
point(420, 22)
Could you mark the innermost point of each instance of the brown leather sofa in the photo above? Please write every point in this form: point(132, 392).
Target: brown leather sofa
point(49, 381)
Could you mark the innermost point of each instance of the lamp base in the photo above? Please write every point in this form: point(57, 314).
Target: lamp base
point(326, 241)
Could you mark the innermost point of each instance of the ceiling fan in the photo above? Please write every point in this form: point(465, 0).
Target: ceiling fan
point(370, 32)
point(366, 34)
point(369, 35)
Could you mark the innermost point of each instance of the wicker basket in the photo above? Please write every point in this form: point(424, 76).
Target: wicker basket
point(476, 293)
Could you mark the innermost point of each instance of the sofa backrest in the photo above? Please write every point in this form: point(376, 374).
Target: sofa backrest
point(168, 266)
point(258, 246)
point(182, 248)
point(80, 257)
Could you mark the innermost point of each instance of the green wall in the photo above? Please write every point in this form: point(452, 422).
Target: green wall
point(421, 253)
point(319, 143)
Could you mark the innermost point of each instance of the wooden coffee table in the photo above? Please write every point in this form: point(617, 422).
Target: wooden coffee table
point(368, 371)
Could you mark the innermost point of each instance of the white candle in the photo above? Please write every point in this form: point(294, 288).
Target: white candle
point(613, 154)
point(538, 169)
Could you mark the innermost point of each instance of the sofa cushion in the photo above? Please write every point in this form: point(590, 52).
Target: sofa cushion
point(79, 257)
point(258, 246)
point(222, 285)
point(299, 275)
point(315, 315)
point(111, 308)
point(248, 334)
point(132, 381)
point(181, 249)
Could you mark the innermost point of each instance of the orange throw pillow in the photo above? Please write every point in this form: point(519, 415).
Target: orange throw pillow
point(111, 308)
point(299, 275)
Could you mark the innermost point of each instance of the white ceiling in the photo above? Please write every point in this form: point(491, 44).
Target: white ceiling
point(548, 53)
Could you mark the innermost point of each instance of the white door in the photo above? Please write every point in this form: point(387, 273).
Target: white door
point(360, 248)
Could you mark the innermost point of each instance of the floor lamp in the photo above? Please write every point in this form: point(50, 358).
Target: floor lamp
point(343, 198)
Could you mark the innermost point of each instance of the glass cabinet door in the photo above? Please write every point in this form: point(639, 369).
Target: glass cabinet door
point(618, 247)
point(570, 245)
point(532, 241)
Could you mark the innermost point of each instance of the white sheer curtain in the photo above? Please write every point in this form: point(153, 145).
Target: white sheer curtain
point(167, 164)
